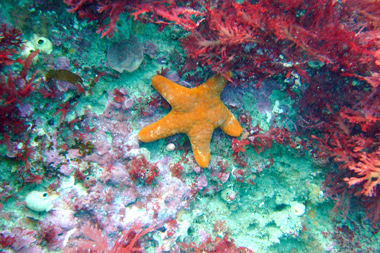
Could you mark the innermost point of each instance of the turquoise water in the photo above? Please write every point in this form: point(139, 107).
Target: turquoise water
point(76, 178)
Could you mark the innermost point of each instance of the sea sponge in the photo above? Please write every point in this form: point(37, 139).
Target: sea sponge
point(298, 209)
point(39, 201)
point(27, 48)
point(125, 55)
point(37, 42)
point(228, 195)
point(41, 43)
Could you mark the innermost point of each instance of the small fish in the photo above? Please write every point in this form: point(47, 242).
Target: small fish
point(66, 75)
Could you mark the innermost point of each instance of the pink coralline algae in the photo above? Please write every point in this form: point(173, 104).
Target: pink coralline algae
point(223, 177)
point(202, 182)
point(56, 226)
point(107, 197)
point(150, 49)
point(109, 201)
point(22, 240)
point(123, 144)
point(12, 149)
point(263, 106)
point(62, 63)
point(104, 146)
point(66, 170)
point(62, 218)
point(25, 110)
point(125, 55)
point(53, 158)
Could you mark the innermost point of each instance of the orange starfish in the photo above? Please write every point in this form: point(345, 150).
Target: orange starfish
point(195, 112)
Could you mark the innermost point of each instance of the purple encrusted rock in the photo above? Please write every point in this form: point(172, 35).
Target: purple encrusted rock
point(62, 63)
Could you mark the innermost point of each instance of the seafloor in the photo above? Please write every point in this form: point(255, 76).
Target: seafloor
point(78, 179)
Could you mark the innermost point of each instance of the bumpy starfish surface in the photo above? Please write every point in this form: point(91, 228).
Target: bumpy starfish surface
point(195, 112)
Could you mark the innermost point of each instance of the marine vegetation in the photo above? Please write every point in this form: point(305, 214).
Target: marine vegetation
point(190, 126)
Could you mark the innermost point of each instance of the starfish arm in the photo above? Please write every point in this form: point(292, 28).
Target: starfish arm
point(216, 83)
point(179, 97)
point(163, 128)
point(200, 139)
point(231, 126)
